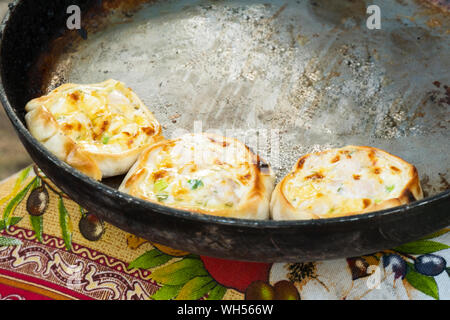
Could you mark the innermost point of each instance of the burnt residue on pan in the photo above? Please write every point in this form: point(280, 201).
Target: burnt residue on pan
point(300, 76)
point(48, 72)
point(441, 5)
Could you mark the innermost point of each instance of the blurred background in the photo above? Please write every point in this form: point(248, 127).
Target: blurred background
point(13, 156)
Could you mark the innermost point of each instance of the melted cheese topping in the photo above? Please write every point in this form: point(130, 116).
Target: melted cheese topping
point(344, 181)
point(104, 117)
point(196, 172)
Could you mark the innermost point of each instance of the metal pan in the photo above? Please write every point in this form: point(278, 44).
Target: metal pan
point(299, 76)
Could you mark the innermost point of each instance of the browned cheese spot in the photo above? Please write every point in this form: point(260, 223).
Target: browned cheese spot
point(67, 127)
point(347, 153)
point(179, 192)
point(372, 157)
point(104, 126)
point(301, 163)
point(218, 162)
point(395, 169)
point(244, 179)
point(159, 175)
point(366, 203)
point(222, 143)
point(148, 131)
point(75, 96)
point(315, 176)
point(335, 159)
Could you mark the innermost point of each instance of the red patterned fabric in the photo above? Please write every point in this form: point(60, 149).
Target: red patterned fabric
point(49, 256)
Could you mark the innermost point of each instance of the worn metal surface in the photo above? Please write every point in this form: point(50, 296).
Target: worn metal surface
point(286, 77)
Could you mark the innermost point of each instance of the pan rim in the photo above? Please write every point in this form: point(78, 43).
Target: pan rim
point(186, 214)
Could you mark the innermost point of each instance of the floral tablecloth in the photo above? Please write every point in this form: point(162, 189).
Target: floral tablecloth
point(51, 248)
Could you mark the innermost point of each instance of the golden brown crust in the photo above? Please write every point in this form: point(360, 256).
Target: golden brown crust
point(282, 209)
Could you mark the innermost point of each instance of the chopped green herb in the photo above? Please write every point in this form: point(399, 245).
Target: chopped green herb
point(229, 204)
point(390, 188)
point(377, 201)
point(160, 185)
point(340, 189)
point(105, 139)
point(195, 184)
